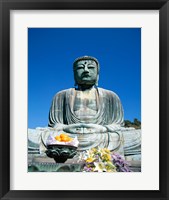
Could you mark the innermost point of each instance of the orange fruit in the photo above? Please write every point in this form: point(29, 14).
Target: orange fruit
point(63, 135)
point(58, 138)
point(65, 139)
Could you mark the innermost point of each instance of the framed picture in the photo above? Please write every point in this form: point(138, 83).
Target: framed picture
point(25, 28)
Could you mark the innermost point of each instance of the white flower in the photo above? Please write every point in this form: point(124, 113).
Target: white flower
point(99, 167)
point(82, 156)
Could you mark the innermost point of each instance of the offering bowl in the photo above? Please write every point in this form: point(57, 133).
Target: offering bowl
point(60, 153)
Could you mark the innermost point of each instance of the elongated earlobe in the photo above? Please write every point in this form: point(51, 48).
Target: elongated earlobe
point(97, 80)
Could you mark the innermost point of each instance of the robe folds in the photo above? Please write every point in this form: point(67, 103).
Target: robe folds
point(109, 115)
point(110, 111)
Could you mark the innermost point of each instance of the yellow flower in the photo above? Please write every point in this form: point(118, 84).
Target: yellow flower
point(110, 167)
point(106, 157)
point(89, 160)
point(106, 150)
point(94, 150)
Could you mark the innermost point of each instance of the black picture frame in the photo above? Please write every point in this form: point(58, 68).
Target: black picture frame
point(5, 7)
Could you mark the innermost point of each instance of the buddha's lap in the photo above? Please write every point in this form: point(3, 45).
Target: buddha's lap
point(88, 139)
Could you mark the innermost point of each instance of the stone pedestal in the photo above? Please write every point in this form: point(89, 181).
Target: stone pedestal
point(38, 163)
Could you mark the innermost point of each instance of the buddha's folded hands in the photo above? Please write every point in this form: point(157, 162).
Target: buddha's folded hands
point(83, 128)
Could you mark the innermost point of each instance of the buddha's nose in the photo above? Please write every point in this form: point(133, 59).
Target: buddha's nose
point(86, 68)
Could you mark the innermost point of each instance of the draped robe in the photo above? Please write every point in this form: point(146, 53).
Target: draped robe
point(109, 115)
point(110, 110)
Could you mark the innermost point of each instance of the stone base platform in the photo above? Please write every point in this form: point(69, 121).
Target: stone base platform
point(37, 163)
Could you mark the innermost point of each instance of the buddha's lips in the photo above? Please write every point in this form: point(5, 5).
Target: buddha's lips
point(85, 75)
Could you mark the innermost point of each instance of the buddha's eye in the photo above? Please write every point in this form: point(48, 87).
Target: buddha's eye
point(91, 66)
point(80, 67)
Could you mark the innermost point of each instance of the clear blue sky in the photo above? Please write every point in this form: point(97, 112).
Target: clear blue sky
point(52, 51)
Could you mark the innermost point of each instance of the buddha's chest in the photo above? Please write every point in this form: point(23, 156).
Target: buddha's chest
point(85, 103)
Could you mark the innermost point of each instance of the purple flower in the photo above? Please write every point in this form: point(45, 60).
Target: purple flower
point(87, 169)
point(120, 163)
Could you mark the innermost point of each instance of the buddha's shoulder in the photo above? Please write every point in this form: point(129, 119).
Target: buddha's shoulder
point(107, 92)
point(64, 92)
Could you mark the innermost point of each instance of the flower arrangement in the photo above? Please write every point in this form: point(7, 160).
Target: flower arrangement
point(102, 160)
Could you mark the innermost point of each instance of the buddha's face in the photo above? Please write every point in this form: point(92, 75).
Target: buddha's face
point(86, 72)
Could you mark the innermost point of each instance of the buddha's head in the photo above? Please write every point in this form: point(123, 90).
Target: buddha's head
point(86, 71)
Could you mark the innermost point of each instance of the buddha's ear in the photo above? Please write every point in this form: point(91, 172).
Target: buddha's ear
point(75, 84)
point(97, 80)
